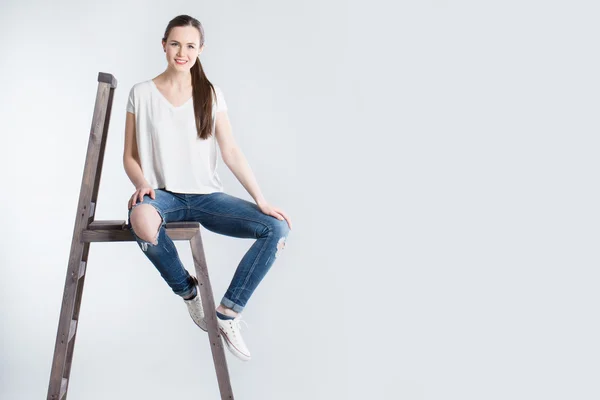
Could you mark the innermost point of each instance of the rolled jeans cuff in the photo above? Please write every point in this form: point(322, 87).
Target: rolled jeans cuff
point(230, 304)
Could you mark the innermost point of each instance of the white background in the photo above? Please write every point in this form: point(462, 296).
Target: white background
point(438, 160)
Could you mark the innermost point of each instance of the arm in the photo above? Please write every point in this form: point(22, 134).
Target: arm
point(131, 158)
point(235, 159)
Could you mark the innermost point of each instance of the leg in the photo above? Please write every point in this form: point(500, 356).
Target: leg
point(147, 220)
point(231, 216)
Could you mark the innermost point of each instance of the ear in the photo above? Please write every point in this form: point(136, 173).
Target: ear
point(201, 49)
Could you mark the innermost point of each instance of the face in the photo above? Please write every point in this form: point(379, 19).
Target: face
point(182, 45)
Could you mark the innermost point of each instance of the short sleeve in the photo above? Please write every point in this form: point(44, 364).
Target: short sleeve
point(131, 101)
point(221, 104)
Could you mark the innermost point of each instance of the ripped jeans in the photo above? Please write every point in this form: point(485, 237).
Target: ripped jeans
point(223, 214)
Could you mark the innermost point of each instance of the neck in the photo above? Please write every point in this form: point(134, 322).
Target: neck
point(177, 79)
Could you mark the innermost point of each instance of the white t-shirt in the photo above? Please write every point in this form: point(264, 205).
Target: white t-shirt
point(172, 155)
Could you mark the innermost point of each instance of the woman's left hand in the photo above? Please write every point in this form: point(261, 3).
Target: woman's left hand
point(275, 212)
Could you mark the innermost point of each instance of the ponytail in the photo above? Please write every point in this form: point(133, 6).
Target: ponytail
point(203, 92)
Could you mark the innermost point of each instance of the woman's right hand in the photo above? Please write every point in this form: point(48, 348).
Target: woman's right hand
point(139, 195)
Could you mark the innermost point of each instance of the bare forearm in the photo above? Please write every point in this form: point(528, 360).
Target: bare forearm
point(134, 172)
point(239, 166)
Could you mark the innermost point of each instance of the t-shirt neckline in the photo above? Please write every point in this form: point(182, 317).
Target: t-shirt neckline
point(165, 99)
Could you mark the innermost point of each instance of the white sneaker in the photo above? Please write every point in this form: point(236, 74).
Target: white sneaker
point(230, 329)
point(195, 308)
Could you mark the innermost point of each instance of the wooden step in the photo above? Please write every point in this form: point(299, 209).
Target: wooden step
point(117, 231)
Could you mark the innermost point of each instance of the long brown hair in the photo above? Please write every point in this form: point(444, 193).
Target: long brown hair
point(201, 86)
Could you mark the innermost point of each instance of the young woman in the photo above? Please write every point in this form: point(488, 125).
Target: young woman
point(173, 126)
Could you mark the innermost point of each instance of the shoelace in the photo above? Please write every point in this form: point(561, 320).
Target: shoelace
point(237, 321)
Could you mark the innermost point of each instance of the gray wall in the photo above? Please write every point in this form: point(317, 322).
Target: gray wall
point(439, 162)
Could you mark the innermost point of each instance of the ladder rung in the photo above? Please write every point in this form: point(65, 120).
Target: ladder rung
point(63, 388)
point(72, 329)
point(111, 225)
point(117, 231)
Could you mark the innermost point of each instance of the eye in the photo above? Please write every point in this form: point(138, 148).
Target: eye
point(191, 46)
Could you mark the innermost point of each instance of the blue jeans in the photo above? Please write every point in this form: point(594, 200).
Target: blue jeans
point(223, 214)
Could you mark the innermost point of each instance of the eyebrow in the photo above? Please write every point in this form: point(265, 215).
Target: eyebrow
point(178, 42)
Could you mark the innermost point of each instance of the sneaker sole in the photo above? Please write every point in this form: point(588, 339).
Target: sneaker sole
point(204, 329)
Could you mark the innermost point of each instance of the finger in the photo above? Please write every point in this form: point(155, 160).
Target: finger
point(287, 218)
point(152, 194)
point(282, 213)
point(289, 222)
point(133, 200)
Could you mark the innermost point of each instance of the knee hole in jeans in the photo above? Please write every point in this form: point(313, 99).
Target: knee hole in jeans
point(280, 245)
point(146, 222)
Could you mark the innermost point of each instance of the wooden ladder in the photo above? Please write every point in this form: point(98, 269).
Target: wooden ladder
point(87, 231)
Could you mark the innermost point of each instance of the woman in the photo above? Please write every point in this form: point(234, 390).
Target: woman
point(173, 125)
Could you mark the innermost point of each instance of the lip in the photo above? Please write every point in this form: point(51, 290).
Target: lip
point(181, 60)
